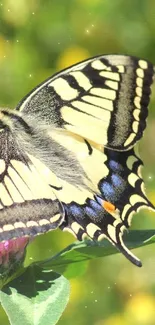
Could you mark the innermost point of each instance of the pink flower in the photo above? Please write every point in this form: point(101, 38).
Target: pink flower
point(12, 254)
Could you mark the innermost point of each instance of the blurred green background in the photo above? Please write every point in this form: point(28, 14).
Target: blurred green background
point(38, 38)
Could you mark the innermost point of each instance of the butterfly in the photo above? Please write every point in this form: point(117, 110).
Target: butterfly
point(67, 152)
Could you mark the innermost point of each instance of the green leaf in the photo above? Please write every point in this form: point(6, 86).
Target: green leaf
point(86, 250)
point(37, 297)
point(71, 270)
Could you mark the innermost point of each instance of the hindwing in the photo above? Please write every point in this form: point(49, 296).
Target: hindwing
point(120, 194)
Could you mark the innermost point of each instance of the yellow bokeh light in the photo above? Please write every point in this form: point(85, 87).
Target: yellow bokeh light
point(71, 56)
point(18, 12)
point(76, 289)
point(113, 320)
point(141, 309)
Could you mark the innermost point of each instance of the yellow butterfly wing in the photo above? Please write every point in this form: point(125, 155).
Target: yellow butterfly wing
point(104, 99)
point(62, 174)
point(28, 205)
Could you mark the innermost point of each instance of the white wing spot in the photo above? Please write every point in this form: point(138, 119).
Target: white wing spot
point(137, 102)
point(110, 75)
point(43, 222)
point(8, 227)
point(112, 232)
point(140, 72)
point(112, 84)
point(81, 79)
point(106, 93)
point(143, 64)
point(137, 198)
point(135, 125)
point(63, 89)
point(55, 218)
point(76, 227)
point(31, 224)
point(98, 65)
point(130, 162)
point(121, 68)
point(91, 229)
point(136, 113)
point(19, 224)
point(125, 210)
point(132, 179)
point(139, 91)
point(139, 82)
point(130, 139)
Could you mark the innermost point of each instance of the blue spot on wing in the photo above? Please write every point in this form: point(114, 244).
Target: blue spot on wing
point(74, 210)
point(95, 212)
point(90, 212)
point(117, 180)
point(115, 166)
point(96, 206)
point(107, 191)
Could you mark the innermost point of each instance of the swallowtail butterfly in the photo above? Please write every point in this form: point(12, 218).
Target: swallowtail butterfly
point(67, 153)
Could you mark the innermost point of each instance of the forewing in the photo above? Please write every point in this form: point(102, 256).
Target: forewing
point(104, 99)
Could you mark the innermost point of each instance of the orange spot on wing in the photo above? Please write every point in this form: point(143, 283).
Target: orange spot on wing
point(109, 207)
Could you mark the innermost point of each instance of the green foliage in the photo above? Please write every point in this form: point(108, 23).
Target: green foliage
point(87, 250)
point(39, 296)
point(36, 297)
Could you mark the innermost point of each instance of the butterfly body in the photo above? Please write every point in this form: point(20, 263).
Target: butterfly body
point(67, 156)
